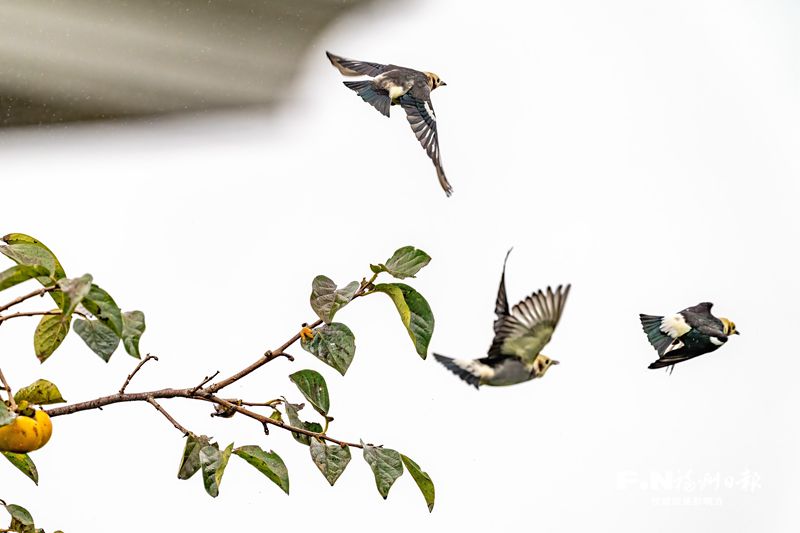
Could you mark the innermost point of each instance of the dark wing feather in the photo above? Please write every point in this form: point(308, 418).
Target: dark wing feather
point(421, 117)
point(530, 325)
point(501, 304)
point(352, 67)
point(671, 360)
point(699, 317)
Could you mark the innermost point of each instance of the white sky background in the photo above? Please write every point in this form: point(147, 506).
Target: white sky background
point(644, 152)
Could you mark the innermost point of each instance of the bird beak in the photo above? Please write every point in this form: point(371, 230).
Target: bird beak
point(554, 362)
point(442, 84)
point(736, 332)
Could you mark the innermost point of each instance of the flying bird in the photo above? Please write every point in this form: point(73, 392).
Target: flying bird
point(686, 334)
point(520, 333)
point(411, 89)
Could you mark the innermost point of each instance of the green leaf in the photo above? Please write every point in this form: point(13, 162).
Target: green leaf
point(24, 463)
point(386, 464)
point(268, 463)
point(6, 415)
point(99, 303)
point(21, 519)
point(132, 331)
point(97, 336)
point(46, 259)
point(20, 273)
point(49, 334)
point(330, 459)
point(313, 386)
point(190, 462)
point(294, 420)
point(30, 255)
point(21, 238)
point(415, 313)
point(404, 263)
point(75, 290)
point(40, 392)
point(326, 299)
point(213, 463)
point(333, 344)
point(423, 480)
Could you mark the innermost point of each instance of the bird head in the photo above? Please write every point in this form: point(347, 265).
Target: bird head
point(434, 81)
point(728, 327)
point(541, 365)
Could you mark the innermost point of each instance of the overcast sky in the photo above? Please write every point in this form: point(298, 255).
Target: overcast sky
point(646, 152)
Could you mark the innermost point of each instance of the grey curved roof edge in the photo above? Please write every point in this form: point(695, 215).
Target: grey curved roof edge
point(93, 59)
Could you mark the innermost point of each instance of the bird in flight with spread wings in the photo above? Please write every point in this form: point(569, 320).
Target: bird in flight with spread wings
point(686, 334)
point(520, 334)
point(411, 89)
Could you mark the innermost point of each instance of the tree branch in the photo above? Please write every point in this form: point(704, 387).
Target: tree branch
point(271, 355)
point(38, 313)
point(161, 410)
point(32, 294)
point(266, 358)
point(207, 393)
point(11, 403)
point(267, 420)
point(135, 370)
point(151, 396)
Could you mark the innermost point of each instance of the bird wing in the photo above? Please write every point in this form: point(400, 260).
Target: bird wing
point(501, 304)
point(421, 117)
point(352, 67)
point(528, 327)
point(699, 317)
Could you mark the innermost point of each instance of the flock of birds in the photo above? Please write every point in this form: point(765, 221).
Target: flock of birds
point(521, 331)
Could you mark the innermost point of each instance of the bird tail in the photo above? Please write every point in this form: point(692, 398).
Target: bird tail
point(448, 189)
point(366, 90)
point(662, 364)
point(458, 369)
point(651, 325)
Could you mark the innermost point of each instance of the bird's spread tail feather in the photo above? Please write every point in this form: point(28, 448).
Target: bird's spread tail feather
point(451, 365)
point(448, 189)
point(652, 327)
point(367, 92)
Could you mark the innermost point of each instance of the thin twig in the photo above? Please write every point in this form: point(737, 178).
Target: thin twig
point(271, 403)
point(11, 403)
point(204, 382)
point(161, 410)
point(38, 313)
point(280, 351)
point(267, 420)
point(270, 355)
point(32, 294)
point(135, 370)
